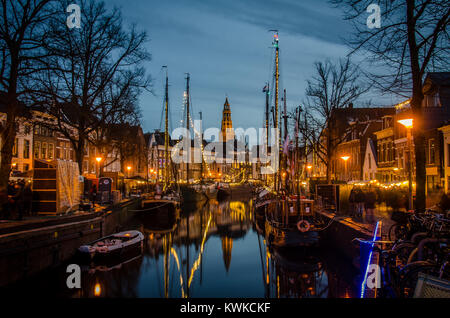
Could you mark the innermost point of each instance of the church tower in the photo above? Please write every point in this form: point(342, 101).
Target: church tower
point(227, 122)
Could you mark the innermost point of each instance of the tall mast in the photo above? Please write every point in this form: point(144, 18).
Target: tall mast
point(166, 133)
point(201, 147)
point(267, 91)
point(285, 116)
point(187, 126)
point(285, 137)
point(277, 75)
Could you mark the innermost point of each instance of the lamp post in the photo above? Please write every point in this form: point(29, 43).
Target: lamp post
point(128, 169)
point(98, 159)
point(408, 124)
point(308, 177)
point(345, 158)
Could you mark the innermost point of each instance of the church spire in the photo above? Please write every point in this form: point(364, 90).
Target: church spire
point(227, 123)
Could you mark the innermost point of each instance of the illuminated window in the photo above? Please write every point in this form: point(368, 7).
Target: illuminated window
point(15, 149)
point(37, 149)
point(26, 149)
point(44, 151)
point(50, 151)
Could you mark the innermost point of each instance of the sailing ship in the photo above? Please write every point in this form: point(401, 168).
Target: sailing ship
point(190, 192)
point(165, 202)
point(290, 218)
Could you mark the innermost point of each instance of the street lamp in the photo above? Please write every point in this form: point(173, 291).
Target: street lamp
point(98, 159)
point(408, 123)
point(345, 158)
point(128, 168)
point(309, 167)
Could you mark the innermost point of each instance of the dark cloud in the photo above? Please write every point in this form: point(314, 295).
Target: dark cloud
point(225, 46)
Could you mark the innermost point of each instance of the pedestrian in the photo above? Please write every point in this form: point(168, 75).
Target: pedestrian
point(352, 202)
point(4, 204)
point(93, 194)
point(18, 201)
point(370, 200)
point(27, 199)
point(359, 200)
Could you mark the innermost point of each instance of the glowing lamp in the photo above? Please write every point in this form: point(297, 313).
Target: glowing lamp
point(345, 158)
point(408, 123)
point(128, 168)
point(97, 290)
point(98, 159)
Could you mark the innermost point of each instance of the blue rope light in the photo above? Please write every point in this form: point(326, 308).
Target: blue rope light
point(363, 289)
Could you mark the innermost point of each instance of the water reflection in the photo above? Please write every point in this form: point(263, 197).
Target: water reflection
point(211, 250)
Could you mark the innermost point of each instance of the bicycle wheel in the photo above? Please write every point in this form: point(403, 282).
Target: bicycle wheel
point(408, 280)
point(403, 250)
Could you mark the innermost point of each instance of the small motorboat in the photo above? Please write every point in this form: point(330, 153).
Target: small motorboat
point(115, 245)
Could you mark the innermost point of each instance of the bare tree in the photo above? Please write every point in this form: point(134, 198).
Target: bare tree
point(95, 73)
point(334, 86)
point(22, 30)
point(412, 39)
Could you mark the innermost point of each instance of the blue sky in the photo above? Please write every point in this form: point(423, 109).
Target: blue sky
point(225, 46)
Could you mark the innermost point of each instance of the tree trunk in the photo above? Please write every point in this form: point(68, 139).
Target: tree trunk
point(329, 171)
point(8, 137)
point(416, 106)
point(329, 152)
point(79, 154)
point(420, 152)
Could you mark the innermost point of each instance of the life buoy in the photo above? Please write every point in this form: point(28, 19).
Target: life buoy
point(303, 226)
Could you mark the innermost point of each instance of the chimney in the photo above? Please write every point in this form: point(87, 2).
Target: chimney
point(350, 105)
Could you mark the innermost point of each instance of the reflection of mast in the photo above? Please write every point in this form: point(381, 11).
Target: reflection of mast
point(166, 246)
point(187, 253)
point(227, 246)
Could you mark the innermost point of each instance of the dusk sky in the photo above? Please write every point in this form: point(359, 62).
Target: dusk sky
point(225, 45)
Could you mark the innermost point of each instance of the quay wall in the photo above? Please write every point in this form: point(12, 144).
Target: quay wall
point(24, 253)
point(341, 233)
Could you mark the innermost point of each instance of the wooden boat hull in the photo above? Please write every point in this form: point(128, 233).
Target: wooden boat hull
point(223, 194)
point(283, 232)
point(290, 237)
point(158, 215)
point(191, 195)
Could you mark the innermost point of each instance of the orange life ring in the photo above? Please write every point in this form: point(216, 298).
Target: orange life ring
point(303, 226)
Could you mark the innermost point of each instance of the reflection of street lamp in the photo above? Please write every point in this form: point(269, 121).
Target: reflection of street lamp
point(345, 158)
point(98, 159)
point(408, 123)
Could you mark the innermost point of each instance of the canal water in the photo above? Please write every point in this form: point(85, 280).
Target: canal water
point(212, 250)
